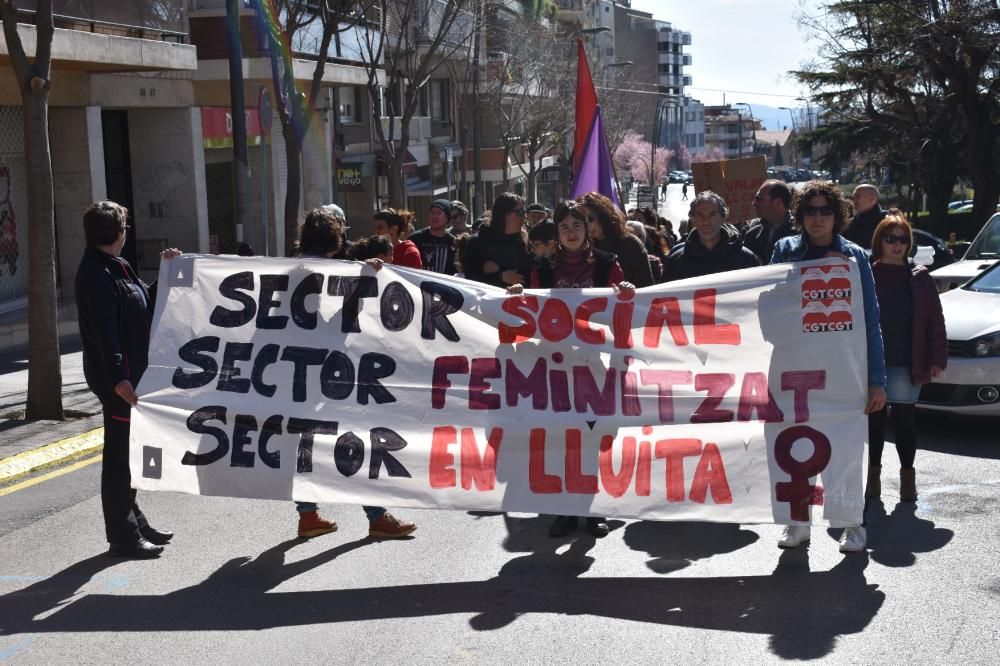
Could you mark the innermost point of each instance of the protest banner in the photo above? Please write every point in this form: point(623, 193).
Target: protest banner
point(736, 181)
point(735, 397)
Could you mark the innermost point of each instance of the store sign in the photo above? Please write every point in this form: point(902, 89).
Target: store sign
point(349, 178)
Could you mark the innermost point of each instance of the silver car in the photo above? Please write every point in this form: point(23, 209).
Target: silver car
point(983, 253)
point(971, 382)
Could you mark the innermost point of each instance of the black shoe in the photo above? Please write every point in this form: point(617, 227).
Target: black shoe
point(597, 527)
point(155, 536)
point(140, 550)
point(562, 526)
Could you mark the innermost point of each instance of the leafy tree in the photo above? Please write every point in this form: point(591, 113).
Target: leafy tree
point(34, 82)
point(911, 85)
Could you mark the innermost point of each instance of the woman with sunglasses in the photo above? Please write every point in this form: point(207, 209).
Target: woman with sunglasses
point(607, 230)
point(576, 265)
point(820, 212)
point(916, 347)
point(499, 253)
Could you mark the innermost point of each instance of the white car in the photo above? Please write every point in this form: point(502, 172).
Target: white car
point(971, 382)
point(983, 253)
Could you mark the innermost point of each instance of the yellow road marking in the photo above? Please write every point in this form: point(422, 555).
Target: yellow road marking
point(51, 475)
point(64, 450)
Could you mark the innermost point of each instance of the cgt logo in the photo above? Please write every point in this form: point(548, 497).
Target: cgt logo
point(826, 291)
point(822, 322)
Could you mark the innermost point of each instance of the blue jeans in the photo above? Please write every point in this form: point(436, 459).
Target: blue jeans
point(373, 512)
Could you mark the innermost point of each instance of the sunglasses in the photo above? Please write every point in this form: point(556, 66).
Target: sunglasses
point(809, 211)
point(520, 212)
point(892, 239)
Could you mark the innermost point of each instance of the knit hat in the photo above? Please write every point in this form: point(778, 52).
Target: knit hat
point(444, 205)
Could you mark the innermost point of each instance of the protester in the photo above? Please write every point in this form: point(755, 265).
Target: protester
point(576, 264)
point(499, 254)
point(459, 219)
point(436, 245)
point(658, 248)
point(542, 238)
point(608, 233)
point(536, 213)
point(115, 311)
point(344, 252)
point(820, 212)
point(320, 237)
point(867, 214)
point(668, 230)
point(712, 247)
point(916, 347)
point(772, 202)
point(375, 247)
point(397, 224)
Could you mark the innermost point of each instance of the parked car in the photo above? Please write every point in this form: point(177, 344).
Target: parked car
point(971, 382)
point(958, 204)
point(942, 253)
point(983, 253)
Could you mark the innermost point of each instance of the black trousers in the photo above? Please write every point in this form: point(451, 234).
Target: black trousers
point(122, 516)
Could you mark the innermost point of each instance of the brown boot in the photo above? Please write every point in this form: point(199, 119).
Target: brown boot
point(907, 485)
point(874, 486)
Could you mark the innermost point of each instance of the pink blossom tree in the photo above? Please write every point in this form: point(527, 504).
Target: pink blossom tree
point(634, 153)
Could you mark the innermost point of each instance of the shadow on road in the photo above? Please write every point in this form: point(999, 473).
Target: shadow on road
point(895, 539)
point(803, 612)
point(675, 545)
point(968, 436)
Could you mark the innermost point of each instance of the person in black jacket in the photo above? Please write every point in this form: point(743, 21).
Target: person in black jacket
point(115, 311)
point(773, 203)
point(867, 214)
point(499, 254)
point(712, 246)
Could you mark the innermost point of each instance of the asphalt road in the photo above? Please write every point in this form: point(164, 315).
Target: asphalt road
point(237, 587)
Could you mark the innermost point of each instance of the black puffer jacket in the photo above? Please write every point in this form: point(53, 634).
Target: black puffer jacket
point(115, 310)
point(862, 226)
point(759, 239)
point(694, 259)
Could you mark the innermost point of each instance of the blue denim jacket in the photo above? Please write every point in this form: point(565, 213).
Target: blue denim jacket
point(793, 248)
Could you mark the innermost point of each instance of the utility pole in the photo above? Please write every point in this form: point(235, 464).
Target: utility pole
point(241, 167)
point(477, 127)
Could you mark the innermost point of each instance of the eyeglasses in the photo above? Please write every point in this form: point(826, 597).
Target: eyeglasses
point(809, 211)
point(520, 212)
point(892, 239)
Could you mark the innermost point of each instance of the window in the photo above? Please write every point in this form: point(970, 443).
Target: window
point(440, 100)
point(347, 111)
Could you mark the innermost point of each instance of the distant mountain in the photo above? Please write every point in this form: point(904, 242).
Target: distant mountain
point(775, 118)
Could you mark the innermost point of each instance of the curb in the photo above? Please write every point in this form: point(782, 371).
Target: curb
point(65, 450)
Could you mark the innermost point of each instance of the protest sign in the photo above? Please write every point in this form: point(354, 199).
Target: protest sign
point(736, 181)
point(735, 397)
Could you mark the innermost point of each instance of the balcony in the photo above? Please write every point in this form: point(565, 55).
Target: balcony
point(142, 19)
point(420, 127)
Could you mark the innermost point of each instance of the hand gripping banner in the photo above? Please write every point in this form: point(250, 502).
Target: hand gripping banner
point(732, 398)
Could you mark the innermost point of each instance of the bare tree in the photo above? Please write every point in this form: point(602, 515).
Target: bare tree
point(34, 81)
point(410, 42)
point(297, 110)
point(528, 95)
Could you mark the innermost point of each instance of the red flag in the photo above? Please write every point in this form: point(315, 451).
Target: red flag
point(586, 104)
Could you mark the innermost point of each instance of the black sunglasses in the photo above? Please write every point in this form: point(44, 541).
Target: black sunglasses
point(520, 212)
point(892, 239)
point(817, 210)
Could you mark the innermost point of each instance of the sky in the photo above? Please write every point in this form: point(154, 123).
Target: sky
point(743, 47)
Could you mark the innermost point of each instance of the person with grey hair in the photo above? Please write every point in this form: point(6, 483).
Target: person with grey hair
point(712, 246)
point(867, 214)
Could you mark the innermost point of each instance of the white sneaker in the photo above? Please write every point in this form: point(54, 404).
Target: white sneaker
point(793, 536)
point(854, 540)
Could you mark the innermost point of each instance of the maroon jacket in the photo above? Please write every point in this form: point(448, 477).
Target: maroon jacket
point(930, 341)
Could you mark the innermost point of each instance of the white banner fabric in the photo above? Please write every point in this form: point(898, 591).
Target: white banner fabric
point(735, 398)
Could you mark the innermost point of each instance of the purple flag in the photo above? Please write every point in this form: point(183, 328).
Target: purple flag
point(595, 173)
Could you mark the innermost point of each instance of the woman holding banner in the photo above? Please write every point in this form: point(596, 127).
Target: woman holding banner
point(115, 310)
point(820, 213)
point(320, 236)
point(576, 264)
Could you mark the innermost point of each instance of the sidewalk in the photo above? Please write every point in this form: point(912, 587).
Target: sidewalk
point(17, 436)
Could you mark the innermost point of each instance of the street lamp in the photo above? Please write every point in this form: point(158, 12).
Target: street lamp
point(809, 123)
point(753, 126)
point(791, 116)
